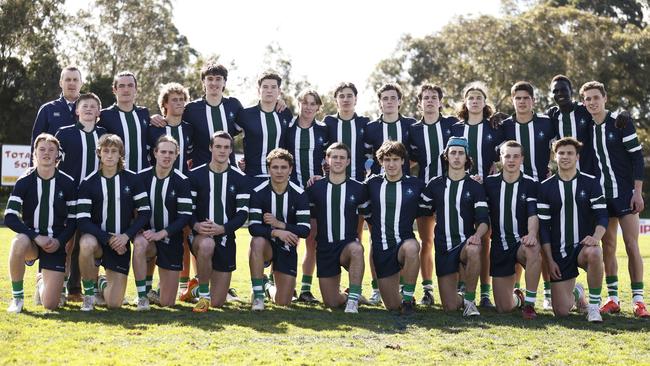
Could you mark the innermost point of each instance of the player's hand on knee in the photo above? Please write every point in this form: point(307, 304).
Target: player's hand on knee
point(554, 270)
point(474, 240)
point(589, 241)
point(529, 240)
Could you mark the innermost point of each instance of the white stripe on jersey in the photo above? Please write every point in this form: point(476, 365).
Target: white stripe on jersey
point(330, 218)
point(224, 191)
point(342, 211)
point(265, 144)
point(431, 155)
point(530, 128)
point(84, 158)
point(139, 133)
point(398, 209)
point(208, 118)
point(181, 143)
point(382, 213)
point(127, 146)
point(296, 153)
point(152, 194)
point(574, 133)
point(607, 164)
point(353, 147)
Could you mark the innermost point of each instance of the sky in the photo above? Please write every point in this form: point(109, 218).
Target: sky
point(327, 41)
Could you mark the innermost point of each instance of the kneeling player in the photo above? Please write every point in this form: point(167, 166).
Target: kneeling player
point(462, 219)
point(45, 199)
point(573, 219)
point(171, 209)
point(222, 194)
point(512, 199)
point(336, 201)
point(279, 216)
point(394, 205)
point(107, 201)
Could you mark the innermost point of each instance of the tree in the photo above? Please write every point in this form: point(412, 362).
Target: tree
point(28, 63)
point(534, 45)
point(626, 11)
point(139, 36)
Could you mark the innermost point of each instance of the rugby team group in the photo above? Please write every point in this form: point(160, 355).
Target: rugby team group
point(495, 197)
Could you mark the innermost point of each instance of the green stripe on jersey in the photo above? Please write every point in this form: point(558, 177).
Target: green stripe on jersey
point(159, 204)
point(434, 148)
point(279, 206)
point(134, 144)
point(472, 139)
point(392, 131)
point(217, 193)
point(304, 150)
point(567, 129)
point(44, 206)
point(110, 211)
point(454, 224)
point(89, 155)
point(334, 204)
point(568, 204)
point(525, 142)
point(391, 206)
point(508, 222)
point(271, 132)
point(217, 123)
point(346, 138)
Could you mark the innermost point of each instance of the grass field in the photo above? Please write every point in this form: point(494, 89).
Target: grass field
point(310, 334)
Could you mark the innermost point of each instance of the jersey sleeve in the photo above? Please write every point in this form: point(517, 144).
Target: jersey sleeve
point(199, 199)
point(633, 147)
point(302, 226)
point(141, 205)
point(481, 213)
point(598, 204)
point(70, 223)
point(242, 200)
point(84, 211)
point(544, 216)
point(40, 124)
point(531, 199)
point(256, 225)
point(13, 212)
point(183, 207)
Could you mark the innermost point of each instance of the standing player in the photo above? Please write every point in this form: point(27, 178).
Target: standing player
point(394, 204)
point(391, 125)
point(427, 139)
point(535, 132)
point(307, 140)
point(264, 128)
point(512, 199)
point(336, 202)
point(108, 200)
point(620, 169)
point(221, 195)
point(41, 211)
point(572, 218)
point(484, 136)
point(78, 146)
point(171, 210)
point(462, 220)
point(128, 121)
point(279, 217)
point(172, 100)
point(571, 119)
point(60, 112)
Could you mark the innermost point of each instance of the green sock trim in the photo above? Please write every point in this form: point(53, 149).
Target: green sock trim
point(148, 282)
point(17, 289)
point(547, 289)
point(89, 287)
point(485, 291)
point(258, 287)
point(407, 294)
point(594, 295)
point(576, 294)
point(141, 287)
point(204, 290)
point(517, 285)
point(529, 298)
point(427, 282)
point(354, 292)
point(470, 296)
point(102, 283)
point(305, 283)
point(401, 280)
point(374, 284)
point(637, 285)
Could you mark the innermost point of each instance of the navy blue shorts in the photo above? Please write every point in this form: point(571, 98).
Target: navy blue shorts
point(285, 258)
point(328, 257)
point(50, 261)
point(620, 206)
point(224, 258)
point(169, 255)
point(386, 263)
point(569, 264)
point(115, 262)
point(502, 262)
point(448, 261)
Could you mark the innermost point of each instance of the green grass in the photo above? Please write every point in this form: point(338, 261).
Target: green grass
point(310, 335)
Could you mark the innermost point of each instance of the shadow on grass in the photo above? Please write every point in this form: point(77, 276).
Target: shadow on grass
point(277, 320)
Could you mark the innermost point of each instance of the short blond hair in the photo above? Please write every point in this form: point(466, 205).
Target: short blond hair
point(168, 89)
